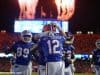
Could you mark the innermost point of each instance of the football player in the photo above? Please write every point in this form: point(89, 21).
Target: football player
point(22, 51)
point(51, 46)
point(69, 55)
point(95, 65)
point(41, 63)
point(40, 59)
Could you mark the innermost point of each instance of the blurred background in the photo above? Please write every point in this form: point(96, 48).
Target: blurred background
point(85, 14)
point(80, 17)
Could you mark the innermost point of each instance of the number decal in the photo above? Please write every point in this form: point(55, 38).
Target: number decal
point(53, 45)
point(26, 52)
point(19, 51)
point(22, 52)
point(49, 45)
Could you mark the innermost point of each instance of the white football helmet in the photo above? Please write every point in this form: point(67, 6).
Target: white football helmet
point(69, 38)
point(97, 43)
point(26, 36)
point(48, 29)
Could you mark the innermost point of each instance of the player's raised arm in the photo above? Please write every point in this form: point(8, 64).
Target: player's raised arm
point(34, 48)
point(92, 62)
point(59, 29)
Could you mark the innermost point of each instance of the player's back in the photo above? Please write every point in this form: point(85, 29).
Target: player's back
point(51, 47)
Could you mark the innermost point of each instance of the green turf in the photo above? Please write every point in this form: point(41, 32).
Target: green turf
point(35, 73)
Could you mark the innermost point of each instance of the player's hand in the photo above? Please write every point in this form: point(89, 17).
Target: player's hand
point(72, 67)
point(93, 68)
point(56, 26)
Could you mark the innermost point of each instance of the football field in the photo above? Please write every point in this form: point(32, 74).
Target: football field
point(35, 73)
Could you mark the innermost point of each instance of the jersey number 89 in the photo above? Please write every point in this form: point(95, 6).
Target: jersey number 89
point(22, 52)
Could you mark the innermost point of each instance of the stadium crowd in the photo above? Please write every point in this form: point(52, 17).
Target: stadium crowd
point(83, 43)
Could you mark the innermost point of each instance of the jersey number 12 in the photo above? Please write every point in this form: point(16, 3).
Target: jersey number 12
point(53, 45)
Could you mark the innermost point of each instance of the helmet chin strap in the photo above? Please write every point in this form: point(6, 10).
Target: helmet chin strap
point(51, 28)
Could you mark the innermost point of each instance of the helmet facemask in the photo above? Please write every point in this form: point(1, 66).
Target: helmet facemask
point(26, 36)
point(98, 43)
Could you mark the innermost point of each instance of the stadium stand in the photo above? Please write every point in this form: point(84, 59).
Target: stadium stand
point(84, 43)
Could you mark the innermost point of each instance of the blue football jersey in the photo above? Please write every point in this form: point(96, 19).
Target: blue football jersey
point(41, 58)
point(23, 52)
point(69, 48)
point(51, 47)
point(96, 57)
point(69, 52)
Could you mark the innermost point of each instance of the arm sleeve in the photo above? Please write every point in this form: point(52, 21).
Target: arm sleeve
point(10, 50)
point(73, 55)
point(92, 60)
